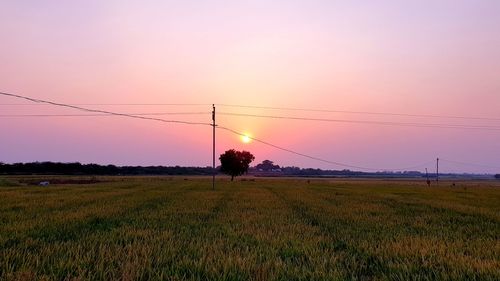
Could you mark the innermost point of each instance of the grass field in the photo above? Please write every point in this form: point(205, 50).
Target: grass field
point(160, 228)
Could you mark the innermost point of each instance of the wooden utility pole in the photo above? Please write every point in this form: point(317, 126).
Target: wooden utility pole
point(213, 147)
point(437, 171)
point(427, 176)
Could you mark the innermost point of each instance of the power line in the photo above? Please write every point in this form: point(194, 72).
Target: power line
point(275, 108)
point(314, 157)
point(103, 114)
point(360, 112)
point(469, 164)
point(421, 125)
point(101, 111)
point(387, 123)
point(111, 104)
point(425, 125)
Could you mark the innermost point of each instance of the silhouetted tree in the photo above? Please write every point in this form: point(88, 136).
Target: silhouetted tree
point(497, 176)
point(235, 163)
point(267, 165)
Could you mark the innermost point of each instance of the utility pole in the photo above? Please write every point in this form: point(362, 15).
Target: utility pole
point(437, 171)
point(427, 176)
point(213, 148)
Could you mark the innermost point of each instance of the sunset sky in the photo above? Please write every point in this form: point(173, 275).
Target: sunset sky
point(435, 57)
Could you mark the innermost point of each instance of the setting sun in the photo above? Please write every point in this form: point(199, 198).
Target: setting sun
point(246, 138)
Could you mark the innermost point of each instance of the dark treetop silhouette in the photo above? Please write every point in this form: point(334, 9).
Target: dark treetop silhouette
point(267, 165)
point(235, 163)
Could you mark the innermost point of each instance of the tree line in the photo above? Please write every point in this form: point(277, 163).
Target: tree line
point(76, 168)
point(56, 168)
point(265, 168)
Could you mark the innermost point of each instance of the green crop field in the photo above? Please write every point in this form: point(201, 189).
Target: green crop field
point(160, 228)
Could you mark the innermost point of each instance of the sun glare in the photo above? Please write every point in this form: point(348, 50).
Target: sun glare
point(246, 138)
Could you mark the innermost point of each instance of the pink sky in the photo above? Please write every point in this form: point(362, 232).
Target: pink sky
point(416, 57)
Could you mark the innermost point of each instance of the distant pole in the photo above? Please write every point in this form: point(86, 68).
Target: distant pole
point(437, 171)
point(213, 148)
point(427, 176)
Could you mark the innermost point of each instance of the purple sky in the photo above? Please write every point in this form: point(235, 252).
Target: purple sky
point(413, 57)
